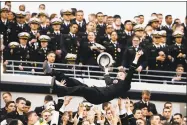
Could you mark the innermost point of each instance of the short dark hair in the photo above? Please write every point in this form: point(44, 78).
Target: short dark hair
point(29, 114)
point(165, 108)
point(42, 5)
point(105, 104)
point(154, 14)
point(7, 2)
point(167, 103)
point(135, 36)
point(127, 21)
point(79, 11)
point(160, 14)
point(7, 93)
point(134, 111)
point(98, 13)
point(19, 99)
point(131, 102)
point(73, 24)
point(180, 65)
point(151, 118)
point(28, 103)
point(74, 10)
point(13, 122)
point(141, 15)
point(51, 52)
point(33, 14)
point(8, 103)
point(167, 16)
point(48, 98)
point(178, 114)
point(116, 16)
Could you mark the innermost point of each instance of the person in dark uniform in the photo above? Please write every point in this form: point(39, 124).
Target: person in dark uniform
point(185, 27)
point(66, 14)
point(114, 49)
point(80, 21)
point(180, 76)
point(6, 26)
point(154, 23)
point(97, 95)
point(34, 33)
point(43, 29)
point(101, 26)
point(40, 55)
point(20, 25)
point(23, 53)
point(72, 45)
point(56, 43)
point(168, 29)
point(178, 51)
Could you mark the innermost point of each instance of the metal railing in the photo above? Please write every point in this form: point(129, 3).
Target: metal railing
point(95, 72)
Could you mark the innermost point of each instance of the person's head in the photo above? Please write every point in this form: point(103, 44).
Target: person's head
point(79, 15)
point(65, 117)
point(34, 15)
point(148, 29)
point(144, 110)
point(15, 122)
point(74, 10)
point(73, 28)
point(90, 27)
point(141, 19)
point(4, 12)
point(155, 120)
point(154, 15)
point(23, 38)
point(22, 7)
point(56, 24)
point(178, 35)
point(177, 21)
point(180, 71)
point(178, 118)
point(185, 120)
point(160, 18)
point(11, 16)
point(10, 106)
point(7, 96)
point(8, 3)
point(34, 23)
point(48, 98)
point(162, 36)
point(137, 19)
point(105, 18)
point(109, 20)
point(32, 117)
point(156, 37)
point(27, 106)
point(42, 7)
point(46, 115)
point(137, 113)
point(67, 14)
point(28, 16)
point(51, 56)
point(154, 24)
point(43, 16)
point(179, 27)
point(114, 36)
point(106, 105)
point(131, 105)
point(168, 19)
point(128, 25)
point(100, 17)
point(117, 20)
point(109, 29)
point(91, 36)
point(109, 114)
point(139, 30)
point(91, 17)
point(121, 75)
point(20, 104)
point(53, 15)
point(140, 121)
point(166, 113)
point(135, 41)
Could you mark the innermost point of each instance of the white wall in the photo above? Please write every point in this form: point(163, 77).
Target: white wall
point(127, 10)
point(37, 100)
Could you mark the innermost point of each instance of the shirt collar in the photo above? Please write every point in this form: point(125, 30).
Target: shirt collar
point(178, 44)
point(157, 46)
point(79, 22)
point(66, 22)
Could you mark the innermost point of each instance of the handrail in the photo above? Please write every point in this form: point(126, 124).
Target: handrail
point(84, 71)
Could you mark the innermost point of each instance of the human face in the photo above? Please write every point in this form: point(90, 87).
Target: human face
point(79, 16)
point(121, 75)
point(10, 16)
point(56, 27)
point(51, 58)
point(154, 25)
point(34, 26)
point(67, 17)
point(140, 122)
point(148, 30)
point(178, 40)
point(109, 29)
point(33, 118)
point(138, 114)
point(46, 116)
point(139, 33)
point(135, 42)
point(141, 19)
point(131, 107)
point(156, 40)
point(42, 18)
point(144, 111)
point(180, 28)
point(23, 41)
point(177, 119)
point(167, 113)
point(118, 22)
point(11, 107)
point(162, 39)
point(100, 18)
point(91, 18)
point(160, 18)
point(7, 98)
point(156, 120)
point(180, 71)
point(41, 7)
point(169, 20)
point(84, 112)
point(145, 97)
point(90, 27)
point(27, 108)
point(44, 44)
point(109, 114)
point(109, 21)
point(21, 105)
point(128, 26)
point(137, 19)
point(114, 36)
point(65, 117)
point(74, 29)
point(4, 14)
point(91, 36)
point(22, 7)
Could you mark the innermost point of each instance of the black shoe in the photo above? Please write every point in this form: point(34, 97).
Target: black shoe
point(54, 86)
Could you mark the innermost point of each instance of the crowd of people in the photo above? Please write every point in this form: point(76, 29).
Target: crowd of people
point(30, 36)
point(69, 39)
point(125, 112)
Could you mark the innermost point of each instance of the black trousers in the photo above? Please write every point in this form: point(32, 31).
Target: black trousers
point(98, 95)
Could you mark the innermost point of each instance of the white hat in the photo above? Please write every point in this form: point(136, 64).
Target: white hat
point(24, 35)
point(44, 38)
point(34, 20)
